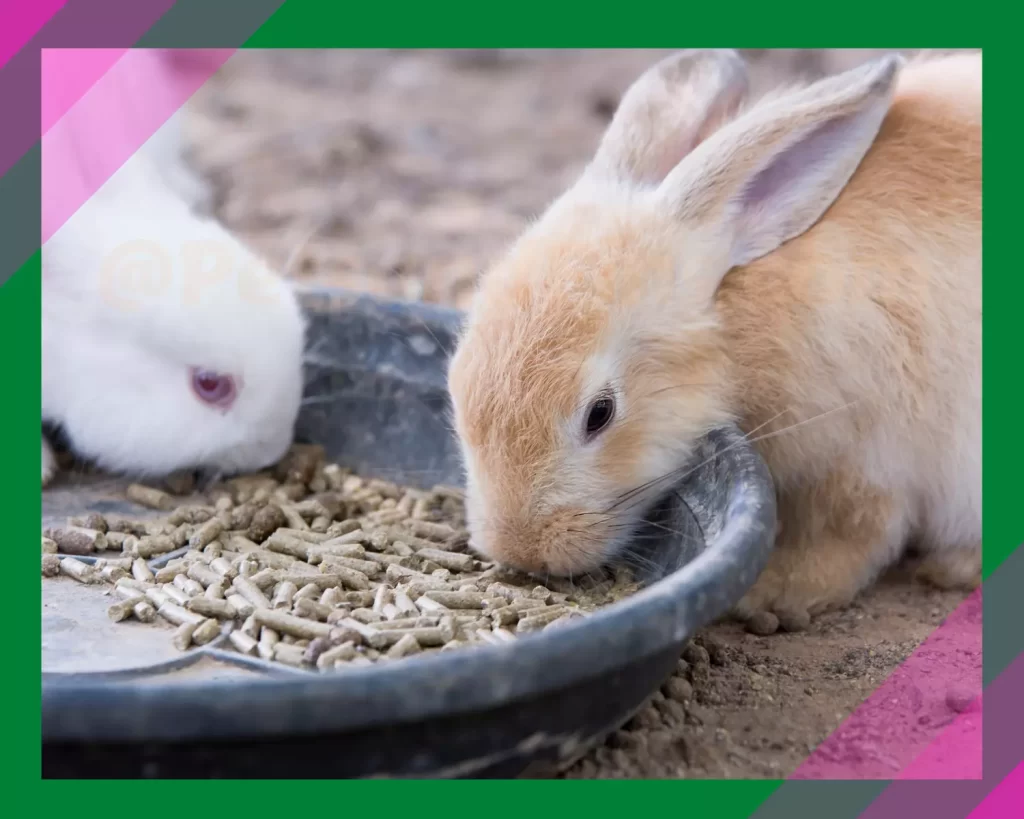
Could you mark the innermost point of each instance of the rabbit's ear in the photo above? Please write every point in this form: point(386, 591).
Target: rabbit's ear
point(768, 176)
point(664, 115)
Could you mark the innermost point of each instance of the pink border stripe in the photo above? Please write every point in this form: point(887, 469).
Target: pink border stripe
point(112, 120)
point(924, 721)
point(1000, 803)
point(62, 84)
point(22, 20)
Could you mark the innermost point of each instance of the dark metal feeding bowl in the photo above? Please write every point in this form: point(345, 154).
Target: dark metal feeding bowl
point(377, 383)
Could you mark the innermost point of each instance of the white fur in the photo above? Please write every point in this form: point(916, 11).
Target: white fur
point(137, 290)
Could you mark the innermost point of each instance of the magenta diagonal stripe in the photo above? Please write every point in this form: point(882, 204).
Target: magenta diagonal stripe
point(924, 721)
point(122, 109)
point(1004, 747)
point(63, 84)
point(22, 19)
point(1006, 801)
point(97, 23)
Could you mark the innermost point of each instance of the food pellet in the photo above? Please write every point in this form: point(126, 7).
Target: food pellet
point(409, 622)
point(206, 632)
point(157, 597)
point(129, 527)
point(463, 600)
point(311, 566)
point(428, 636)
point(290, 624)
point(340, 653)
point(242, 606)
point(203, 575)
point(144, 611)
point(367, 616)
point(188, 585)
point(453, 561)
point(76, 540)
point(406, 646)
point(216, 591)
point(265, 522)
point(250, 592)
point(112, 573)
point(51, 565)
point(150, 497)
point(368, 634)
point(206, 533)
point(142, 572)
point(333, 563)
point(311, 609)
point(284, 594)
point(223, 568)
point(177, 615)
point(176, 594)
point(309, 591)
point(166, 574)
point(182, 638)
point(152, 545)
point(82, 572)
point(428, 604)
point(289, 654)
point(124, 609)
point(432, 531)
point(268, 639)
point(242, 642)
point(220, 609)
point(539, 620)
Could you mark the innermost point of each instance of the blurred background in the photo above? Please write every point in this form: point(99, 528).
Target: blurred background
point(404, 172)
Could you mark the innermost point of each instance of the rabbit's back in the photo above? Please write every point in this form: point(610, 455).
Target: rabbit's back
point(872, 318)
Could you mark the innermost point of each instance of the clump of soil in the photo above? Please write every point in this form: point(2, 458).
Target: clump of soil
point(743, 706)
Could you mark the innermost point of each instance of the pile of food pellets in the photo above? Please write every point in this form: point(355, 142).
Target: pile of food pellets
point(308, 565)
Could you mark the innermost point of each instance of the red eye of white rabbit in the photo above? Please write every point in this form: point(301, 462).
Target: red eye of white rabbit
point(213, 388)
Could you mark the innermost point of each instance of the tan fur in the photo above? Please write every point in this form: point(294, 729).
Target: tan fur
point(910, 295)
point(861, 335)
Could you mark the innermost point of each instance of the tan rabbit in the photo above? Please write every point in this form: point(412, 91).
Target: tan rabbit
point(808, 266)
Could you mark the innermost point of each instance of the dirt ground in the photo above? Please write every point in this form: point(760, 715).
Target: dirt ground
point(404, 173)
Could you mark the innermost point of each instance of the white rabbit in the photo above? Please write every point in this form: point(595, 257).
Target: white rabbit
point(166, 344)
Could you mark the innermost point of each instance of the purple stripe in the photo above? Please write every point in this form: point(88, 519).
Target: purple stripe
point(22, 22)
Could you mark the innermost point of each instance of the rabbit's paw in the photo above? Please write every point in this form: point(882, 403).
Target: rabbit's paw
point(801, 582)
point(952, 569)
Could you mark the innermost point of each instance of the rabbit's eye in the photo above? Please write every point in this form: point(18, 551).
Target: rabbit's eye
point(213, 388)
point(600, 415)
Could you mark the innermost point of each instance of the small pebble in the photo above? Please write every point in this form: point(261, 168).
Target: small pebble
point(763, 623)
point(794, 621)
point(678, 689)
point(959, 699)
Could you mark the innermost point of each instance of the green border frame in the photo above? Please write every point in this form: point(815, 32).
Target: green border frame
point(322, 24)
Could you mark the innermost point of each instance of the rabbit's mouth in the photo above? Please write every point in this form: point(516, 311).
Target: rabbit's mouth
point(667, 536)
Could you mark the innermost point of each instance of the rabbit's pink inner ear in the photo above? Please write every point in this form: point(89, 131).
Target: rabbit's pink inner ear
point(804, 160)
point(792, 191)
